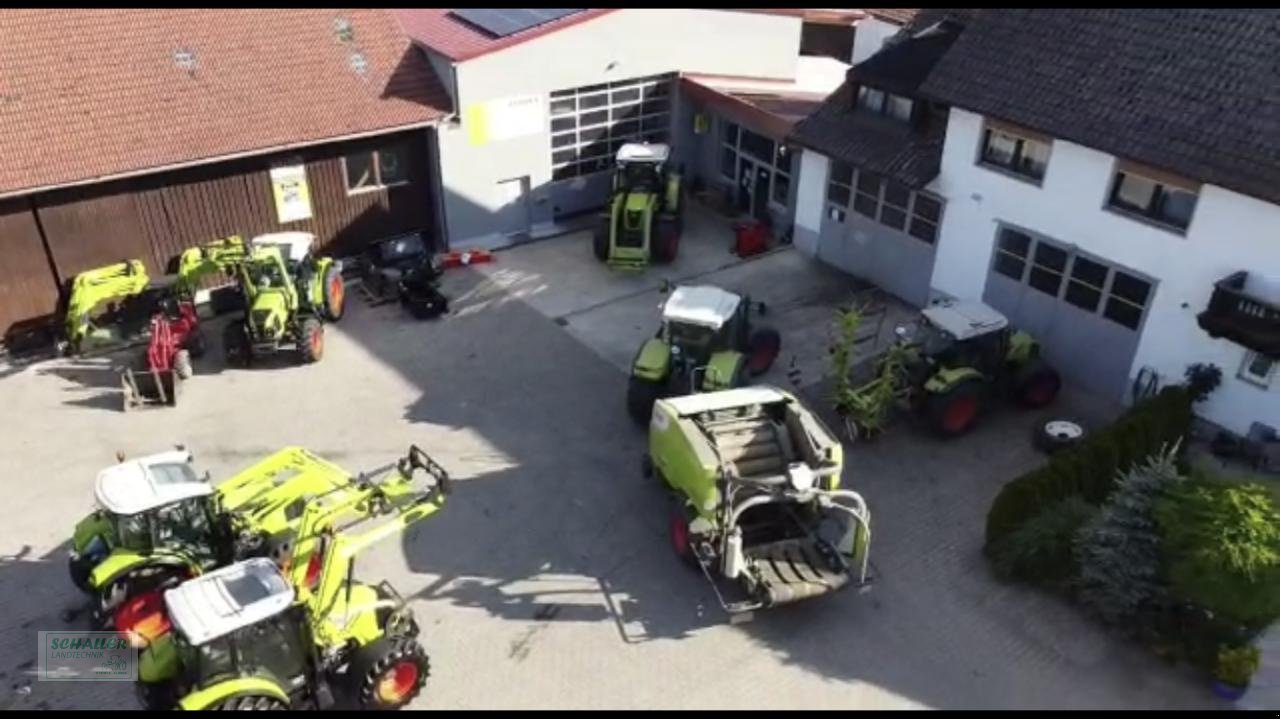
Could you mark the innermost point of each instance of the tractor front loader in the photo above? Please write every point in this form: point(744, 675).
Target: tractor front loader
point(158, 523)
point(945, 368)
point(288, 293)
point(254, 635)
point(643, 217)
point(758, 507)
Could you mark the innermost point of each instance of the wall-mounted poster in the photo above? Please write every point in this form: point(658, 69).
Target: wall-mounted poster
point(293, 199)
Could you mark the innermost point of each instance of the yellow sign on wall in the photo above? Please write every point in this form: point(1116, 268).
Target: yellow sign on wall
point(293, 197)
point(701, 123)
point(504, 118)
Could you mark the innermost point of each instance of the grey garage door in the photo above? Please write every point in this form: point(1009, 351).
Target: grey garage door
point(880, 231)
point(1086, 312)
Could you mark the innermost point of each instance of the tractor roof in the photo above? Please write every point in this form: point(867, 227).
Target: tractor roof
point(153, 481)
point(965, 319)
point(726, 399)
point(701, 305)
point(227, 599)
point(293, 245)
point(643, 152)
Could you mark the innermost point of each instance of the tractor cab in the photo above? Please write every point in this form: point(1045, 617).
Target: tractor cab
point(295, 247)
point(641, 168)
point(153, 502)
point(698, 319)
point(960, 334)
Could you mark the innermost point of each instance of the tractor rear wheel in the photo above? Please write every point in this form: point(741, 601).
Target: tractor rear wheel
point(80, 569)
point(311, 340)
point(1036, 385)
point(954, 412)
point(641, 394)
point(666, 239)
point(182, 364)
point(250, 702)
point(335, 292)
point(117, 592)
point(389, 673)
point(762, 349)
point(600, 240)
point(235, 343)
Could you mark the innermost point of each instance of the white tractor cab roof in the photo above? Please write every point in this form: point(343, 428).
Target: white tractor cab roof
point(643, 152)
point(222, 601)
point(725, 399)
point(703, 305)
point(153, 481)
point(965, 319)
point(294, 246)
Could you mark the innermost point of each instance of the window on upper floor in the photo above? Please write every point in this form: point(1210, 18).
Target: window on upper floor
point(1153, 196)
point(1257, 369)
point(885, 103)
point(1015, 152)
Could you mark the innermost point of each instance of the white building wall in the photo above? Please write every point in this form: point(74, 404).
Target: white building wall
point(1229, 232)
point(624, 44)
point(810, 201)
point(869, 35)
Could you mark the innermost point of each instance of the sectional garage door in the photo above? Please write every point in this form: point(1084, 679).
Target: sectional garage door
point(1087, 312)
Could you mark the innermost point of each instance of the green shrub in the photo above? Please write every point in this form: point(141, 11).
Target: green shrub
point(1089, 469)
point(1237, 665)
point(1222, 549)
point(1041, 551)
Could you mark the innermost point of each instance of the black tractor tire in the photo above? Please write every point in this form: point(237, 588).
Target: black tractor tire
point(954, 412)
point(334, 292)
point(196, 344)
point(641, 394)
point(1036, 385)
point(182, 364)
point(311, 340)
point(402, 661)
point(119, 591)
point(600, 239)
point(156, 696)
point(762, 350)
point(79, 569)
point(665, 243)
point(250, 702)
point(235, 344)
point(1057, 433)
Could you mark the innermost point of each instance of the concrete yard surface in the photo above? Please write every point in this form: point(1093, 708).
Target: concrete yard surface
point(547, 580)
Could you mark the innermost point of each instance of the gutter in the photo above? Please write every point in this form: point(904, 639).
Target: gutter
point(223, 158)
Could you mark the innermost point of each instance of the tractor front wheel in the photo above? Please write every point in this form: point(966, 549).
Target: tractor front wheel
point(311, 340)
point(235, 343)
point(80, 569)
point(1037, 385)
point(389, 673)
point(116, 593)
point(641, 394)
point(250, 702)
point(600, 240)
point(334, 291)
point(954, 411)
point(762, 349)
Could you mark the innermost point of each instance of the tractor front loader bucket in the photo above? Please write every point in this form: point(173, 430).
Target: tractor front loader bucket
point(145, 388)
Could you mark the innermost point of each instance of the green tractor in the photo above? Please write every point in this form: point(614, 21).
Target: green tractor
point(255, 636)
point(288, 292)
point(758, 506)
point(705, 343)
point(158, 523)
point(644, 214)
point(112, 307)
point(947, 366)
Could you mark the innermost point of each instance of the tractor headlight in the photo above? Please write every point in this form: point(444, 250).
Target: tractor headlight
point(675, 351)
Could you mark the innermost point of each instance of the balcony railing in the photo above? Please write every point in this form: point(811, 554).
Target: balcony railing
point(1240, 317)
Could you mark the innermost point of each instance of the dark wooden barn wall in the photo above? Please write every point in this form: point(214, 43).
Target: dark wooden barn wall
point(27, 287)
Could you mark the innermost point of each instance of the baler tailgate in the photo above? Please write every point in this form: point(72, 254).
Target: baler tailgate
point(794, 569)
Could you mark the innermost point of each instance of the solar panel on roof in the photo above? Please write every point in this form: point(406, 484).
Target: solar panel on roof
point(508, 21)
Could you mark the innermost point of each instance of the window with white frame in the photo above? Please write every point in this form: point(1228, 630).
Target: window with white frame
point(737, 141)
point(890, 203)
point(1085, 282)
point(376, 169)
point(589, 124)
point(1161, 201)
point(1015, 153)
point(898, 107)
point(1257, 369)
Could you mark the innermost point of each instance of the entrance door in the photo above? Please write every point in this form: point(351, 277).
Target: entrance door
point(760, 198)
point(514, 212)
point(746, 180)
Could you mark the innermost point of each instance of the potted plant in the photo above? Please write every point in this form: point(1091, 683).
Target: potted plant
point(1235, 668)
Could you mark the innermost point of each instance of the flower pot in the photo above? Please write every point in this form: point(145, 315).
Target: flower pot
point(1228, 691)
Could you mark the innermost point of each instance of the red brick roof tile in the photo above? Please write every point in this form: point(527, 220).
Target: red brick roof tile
point(86, 94)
